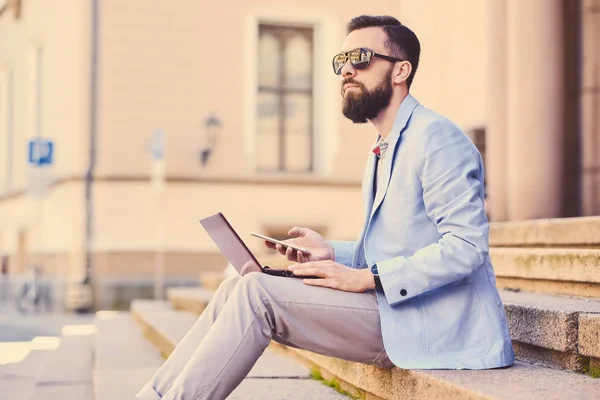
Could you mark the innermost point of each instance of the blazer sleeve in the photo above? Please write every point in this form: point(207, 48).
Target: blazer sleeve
point(452, 181)
point(344, 252)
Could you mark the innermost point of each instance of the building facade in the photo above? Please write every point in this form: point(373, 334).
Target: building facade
point(247, 109)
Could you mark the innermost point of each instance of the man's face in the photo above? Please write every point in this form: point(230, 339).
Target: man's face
point(366, 92)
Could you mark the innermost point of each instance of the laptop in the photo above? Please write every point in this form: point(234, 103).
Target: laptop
point(236, 251)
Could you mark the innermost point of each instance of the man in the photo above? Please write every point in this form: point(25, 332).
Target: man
point(415, 290)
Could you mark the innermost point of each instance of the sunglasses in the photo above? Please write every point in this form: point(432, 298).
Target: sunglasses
point(360, 59)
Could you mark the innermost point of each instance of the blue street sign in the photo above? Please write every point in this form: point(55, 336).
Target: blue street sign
point(41, 152)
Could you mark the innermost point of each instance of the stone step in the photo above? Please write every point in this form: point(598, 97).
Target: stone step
point(274, 376)
point(119, 343)
point(18, 380)
point(123, 360)
point(76, 390)
point(557, 232)
point(71, 362)
point(574, 272)
point(210, 280)
point(193, 299)
point(16, 389)
point(160, 324)
point(68, 371)
point(554, 331)
point(29, 368)
point(522, 381)
point(169, 327)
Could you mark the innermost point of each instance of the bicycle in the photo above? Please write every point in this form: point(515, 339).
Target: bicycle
point(32, 296)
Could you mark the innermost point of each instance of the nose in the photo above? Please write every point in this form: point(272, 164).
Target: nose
point(348, 70)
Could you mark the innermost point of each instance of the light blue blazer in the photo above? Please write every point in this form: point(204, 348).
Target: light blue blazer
point(427, 231)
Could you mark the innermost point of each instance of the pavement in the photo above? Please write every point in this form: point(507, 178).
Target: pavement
point(20, 334)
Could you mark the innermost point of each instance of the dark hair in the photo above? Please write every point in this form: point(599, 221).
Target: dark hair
point(401, 41)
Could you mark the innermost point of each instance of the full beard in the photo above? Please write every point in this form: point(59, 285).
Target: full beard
point(362, 106)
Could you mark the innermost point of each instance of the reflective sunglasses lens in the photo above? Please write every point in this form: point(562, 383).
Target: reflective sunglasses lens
point(360, 58)
point(338, 63)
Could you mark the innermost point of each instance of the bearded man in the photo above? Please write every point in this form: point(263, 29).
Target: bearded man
point(416, 289)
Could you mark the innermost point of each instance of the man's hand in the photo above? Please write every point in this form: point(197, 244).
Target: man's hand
point(335, 276)
point(319, 248)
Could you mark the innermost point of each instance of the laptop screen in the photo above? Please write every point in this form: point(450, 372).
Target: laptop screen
point(230, 243)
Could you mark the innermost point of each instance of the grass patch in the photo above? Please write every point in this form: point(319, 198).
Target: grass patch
point(593, 370)
point(315, 374)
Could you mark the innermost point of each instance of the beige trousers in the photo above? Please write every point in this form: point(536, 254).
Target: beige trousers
point(248, 312)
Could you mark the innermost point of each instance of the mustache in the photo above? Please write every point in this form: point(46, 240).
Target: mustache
point(351, 81)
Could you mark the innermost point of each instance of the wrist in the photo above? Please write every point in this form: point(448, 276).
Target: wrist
point(369, 279)
point(375, 274)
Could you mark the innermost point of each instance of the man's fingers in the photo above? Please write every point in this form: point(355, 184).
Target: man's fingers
point(270, 244)
point(306, 265)
point(281, 249)
point(317, 282)
point(310, 272)
point(301, 258)
point(296, 232)
point(291, 254)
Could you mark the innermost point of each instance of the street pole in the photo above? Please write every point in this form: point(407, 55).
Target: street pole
point(159, 188)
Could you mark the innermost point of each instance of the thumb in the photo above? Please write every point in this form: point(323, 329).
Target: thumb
point(297, 232)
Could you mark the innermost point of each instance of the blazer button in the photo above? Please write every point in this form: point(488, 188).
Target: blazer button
point(403, 292)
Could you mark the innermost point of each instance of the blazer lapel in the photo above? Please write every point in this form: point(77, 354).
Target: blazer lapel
point(406, 109)
point(367, 196)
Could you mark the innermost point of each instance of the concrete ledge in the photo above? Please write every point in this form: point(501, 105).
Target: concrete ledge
point(547, 321)
point(29, 368)
point(575, 265)
point(522, 381)
point(120, 383)
point(123, 360)
point(193, 299)
point(83, 391)
point(166, 328)
point(544, 328)
point(212, 279)
point(70, 363)
point(119, 344)
point(272, 377)
point(589, 335)
point(558, 232)
point(579, 289)
point(550, 358)
point(160, 324)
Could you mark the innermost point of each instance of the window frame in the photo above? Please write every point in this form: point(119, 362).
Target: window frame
point(283, 32)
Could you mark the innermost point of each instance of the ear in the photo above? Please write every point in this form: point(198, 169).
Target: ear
point(402, 71)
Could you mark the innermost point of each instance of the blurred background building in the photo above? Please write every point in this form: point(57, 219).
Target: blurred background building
point(164, 112)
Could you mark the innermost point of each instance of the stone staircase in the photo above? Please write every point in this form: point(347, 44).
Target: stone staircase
point(558, 256)
point(548, 273)
point(63, 373)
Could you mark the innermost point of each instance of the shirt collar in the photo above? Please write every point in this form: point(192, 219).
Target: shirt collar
point(404, 113)
point(380, 147)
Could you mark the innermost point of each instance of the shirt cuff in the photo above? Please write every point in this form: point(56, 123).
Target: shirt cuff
point(344, 252)
point(394, 287)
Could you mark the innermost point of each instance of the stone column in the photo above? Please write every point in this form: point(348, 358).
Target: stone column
point(535, 108)
point(496, 111)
